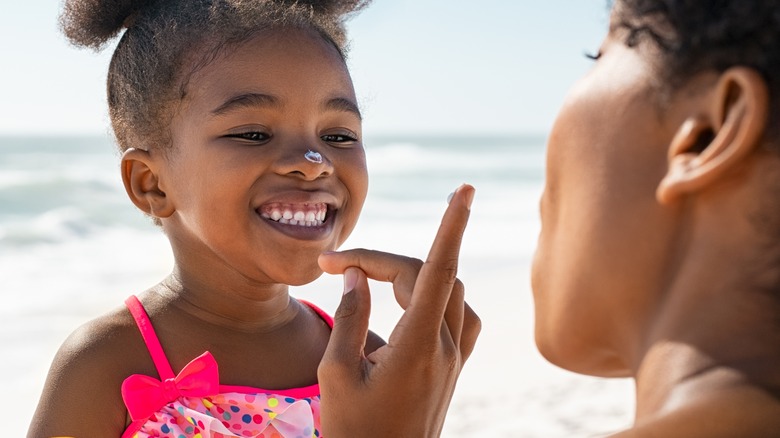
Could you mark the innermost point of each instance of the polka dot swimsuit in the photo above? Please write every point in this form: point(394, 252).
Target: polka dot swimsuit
point(194, 405)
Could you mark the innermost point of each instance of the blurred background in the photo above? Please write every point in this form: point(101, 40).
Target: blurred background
point(451, 92)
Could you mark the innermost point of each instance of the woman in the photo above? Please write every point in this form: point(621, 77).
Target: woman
point(659, 252)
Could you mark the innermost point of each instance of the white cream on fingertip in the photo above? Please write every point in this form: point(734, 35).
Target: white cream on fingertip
point(452, 195)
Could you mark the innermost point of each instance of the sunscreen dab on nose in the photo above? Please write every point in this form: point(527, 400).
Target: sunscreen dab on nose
point(314, 157)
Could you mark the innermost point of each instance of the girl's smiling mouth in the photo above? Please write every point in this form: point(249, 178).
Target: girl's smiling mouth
point(309, 216)
point(302, 215)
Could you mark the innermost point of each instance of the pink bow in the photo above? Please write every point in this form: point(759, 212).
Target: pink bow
point(144, 395)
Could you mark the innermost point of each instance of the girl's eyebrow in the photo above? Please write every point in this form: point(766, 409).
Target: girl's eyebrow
point(259, 100)
point(246, 100)
point(343, 104)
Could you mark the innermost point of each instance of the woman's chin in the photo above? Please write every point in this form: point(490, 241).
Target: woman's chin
point(578, 357)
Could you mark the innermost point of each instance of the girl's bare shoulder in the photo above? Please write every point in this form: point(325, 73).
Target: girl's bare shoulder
point(110, 341)
point(82, 394)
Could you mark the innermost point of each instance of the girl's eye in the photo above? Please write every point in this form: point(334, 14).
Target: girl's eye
point(253, 136)
point(340, 139)
point(593, 57)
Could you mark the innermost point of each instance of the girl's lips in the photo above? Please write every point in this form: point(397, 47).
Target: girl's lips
point(299, 221)
point(303, 215)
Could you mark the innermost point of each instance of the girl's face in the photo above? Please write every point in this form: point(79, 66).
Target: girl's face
point(600, 251)
point(267, 169)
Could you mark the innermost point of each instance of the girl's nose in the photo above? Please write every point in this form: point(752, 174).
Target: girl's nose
point(309, 164)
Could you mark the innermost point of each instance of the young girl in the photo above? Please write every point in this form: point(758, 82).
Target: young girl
point(241, 138)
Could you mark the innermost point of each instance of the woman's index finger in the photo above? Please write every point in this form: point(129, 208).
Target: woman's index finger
point(437, 276)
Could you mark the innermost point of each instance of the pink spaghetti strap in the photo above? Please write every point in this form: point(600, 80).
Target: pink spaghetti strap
point(322, 314)
point(150, 337)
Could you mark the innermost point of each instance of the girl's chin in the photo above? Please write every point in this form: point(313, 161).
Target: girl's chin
point(300, 277)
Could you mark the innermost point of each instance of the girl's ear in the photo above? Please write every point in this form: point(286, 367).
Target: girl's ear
point(142, 183)
point(709, 145)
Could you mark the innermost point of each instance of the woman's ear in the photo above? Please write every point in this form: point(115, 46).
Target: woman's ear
point(142, 183)
point(708, 146)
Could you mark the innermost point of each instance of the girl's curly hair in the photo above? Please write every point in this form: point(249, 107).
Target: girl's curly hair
point(151, 64)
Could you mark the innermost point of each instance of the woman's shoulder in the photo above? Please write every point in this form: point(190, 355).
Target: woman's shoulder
point(744, 412)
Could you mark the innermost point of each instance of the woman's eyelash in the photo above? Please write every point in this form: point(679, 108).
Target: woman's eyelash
point(593, 57)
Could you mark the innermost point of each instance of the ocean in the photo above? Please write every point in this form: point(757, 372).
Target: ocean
point(72, 246)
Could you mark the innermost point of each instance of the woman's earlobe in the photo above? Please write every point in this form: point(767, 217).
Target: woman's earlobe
point(708, 146)
point(141, 179)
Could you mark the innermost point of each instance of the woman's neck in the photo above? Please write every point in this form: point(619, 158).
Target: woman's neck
point(715, 327)
point(716, 331)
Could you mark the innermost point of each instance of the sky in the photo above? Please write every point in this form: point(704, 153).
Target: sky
point(420, 67)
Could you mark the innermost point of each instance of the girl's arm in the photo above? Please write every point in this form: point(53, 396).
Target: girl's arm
point(82, 396)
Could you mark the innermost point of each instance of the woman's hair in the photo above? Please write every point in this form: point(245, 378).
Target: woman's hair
point(710, 36)
point(165, 41)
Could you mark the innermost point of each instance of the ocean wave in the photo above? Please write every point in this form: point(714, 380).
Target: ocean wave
point(406, 158)
point(65, 223)
point(54, 226)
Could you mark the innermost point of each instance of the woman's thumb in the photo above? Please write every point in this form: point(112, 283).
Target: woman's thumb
point(350, 326)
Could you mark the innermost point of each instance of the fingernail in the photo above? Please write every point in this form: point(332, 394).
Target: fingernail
point(450, 196)
point(350, 280)
point(470, 196)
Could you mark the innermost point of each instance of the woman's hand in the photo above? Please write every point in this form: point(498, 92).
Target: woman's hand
point(404, 388)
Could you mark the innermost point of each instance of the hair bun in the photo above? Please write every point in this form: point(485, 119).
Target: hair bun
point(332, 7)
point(92, 23)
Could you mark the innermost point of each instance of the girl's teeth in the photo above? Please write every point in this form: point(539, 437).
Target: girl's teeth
point(305, 215)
